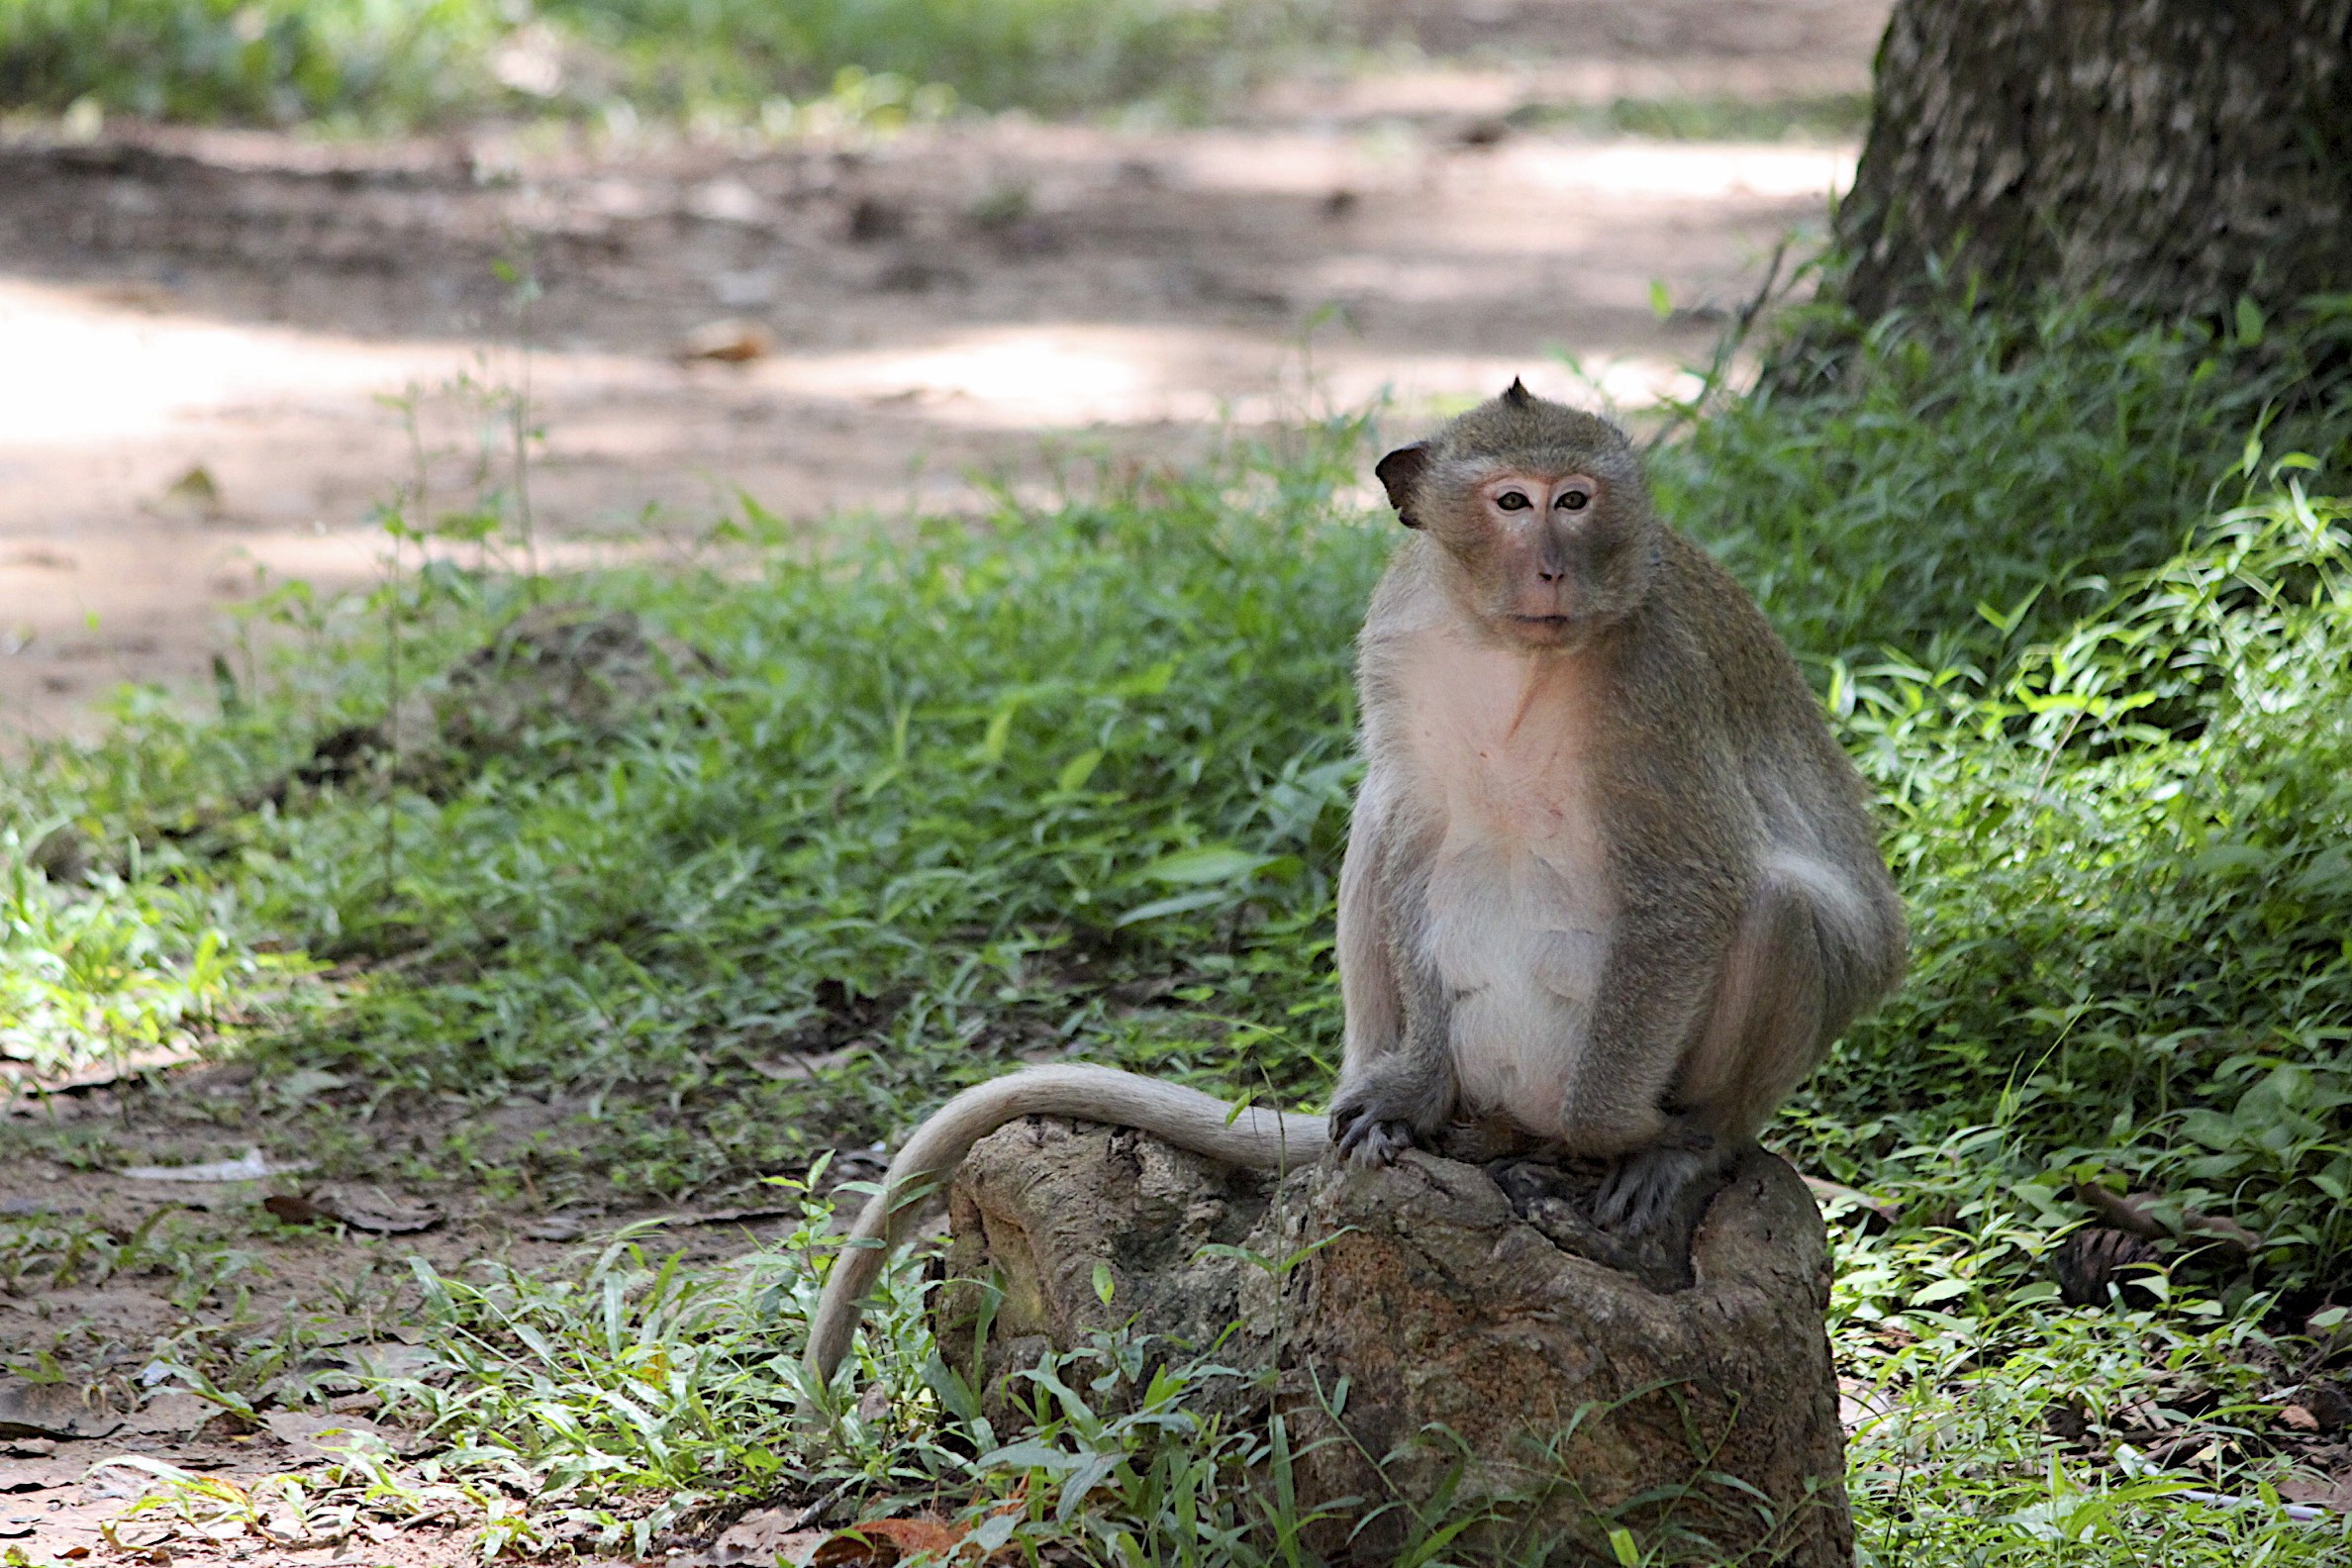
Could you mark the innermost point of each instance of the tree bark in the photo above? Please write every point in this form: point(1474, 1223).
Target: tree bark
point(2173, 155)
point(1495, 1351)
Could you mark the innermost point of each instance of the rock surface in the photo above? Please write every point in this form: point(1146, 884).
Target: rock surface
point(1468, 1336)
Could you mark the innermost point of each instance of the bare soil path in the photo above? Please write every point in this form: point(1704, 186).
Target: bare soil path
point(239, 308)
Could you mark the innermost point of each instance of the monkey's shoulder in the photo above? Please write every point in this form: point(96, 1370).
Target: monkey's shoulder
point(1708, 641)
point(1726, 627)
point(1793, 765)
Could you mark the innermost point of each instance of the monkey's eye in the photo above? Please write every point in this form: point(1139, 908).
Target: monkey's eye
point(1513, 500)
point(1574, 500)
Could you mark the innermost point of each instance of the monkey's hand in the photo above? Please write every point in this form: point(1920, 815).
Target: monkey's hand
point(1376, 1117)
point(1645, 1186)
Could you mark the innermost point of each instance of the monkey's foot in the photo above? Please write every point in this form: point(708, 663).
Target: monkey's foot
point(1378, 1116)
point(1544, 1195)
point(1647, 1185)
point(1555, 1197)
point(1368, 1141)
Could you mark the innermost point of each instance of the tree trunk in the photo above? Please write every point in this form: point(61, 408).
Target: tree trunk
point(1502, 1358)
point(2173, 155)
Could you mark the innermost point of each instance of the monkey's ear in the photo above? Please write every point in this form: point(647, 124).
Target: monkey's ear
point(1399, 473)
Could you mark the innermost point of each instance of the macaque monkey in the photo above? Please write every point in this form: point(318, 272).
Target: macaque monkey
point(1609, 878)
point(1609, 881)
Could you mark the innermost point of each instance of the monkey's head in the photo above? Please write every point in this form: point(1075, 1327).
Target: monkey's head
point(1543, 511)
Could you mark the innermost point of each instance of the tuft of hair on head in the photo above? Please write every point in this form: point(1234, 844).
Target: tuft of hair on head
point(1516, 394)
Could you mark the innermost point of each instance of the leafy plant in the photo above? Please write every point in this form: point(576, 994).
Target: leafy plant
point(1967, 481)
point(371, 63)
point(266, 61)
point(1073, 781)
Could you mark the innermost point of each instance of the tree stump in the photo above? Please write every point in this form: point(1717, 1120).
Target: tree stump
point(1684, 1394)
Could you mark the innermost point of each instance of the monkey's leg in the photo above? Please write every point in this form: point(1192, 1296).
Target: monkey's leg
point(1644, 1186)
point(1763, 1032)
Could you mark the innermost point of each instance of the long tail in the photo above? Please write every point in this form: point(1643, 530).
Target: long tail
point(1186, 1118)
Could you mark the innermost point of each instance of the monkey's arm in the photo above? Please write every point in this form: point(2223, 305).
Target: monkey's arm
point(1186, 1118)
point(1820, 929)
point(1372, 1005)
point(1396, 1083)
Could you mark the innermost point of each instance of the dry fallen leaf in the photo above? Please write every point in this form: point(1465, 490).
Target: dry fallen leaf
point(372, 1209)
point(762, 1539)
point(39, 1475)
point(171, 1413)
point(2297, 1419)
point(144, 1536)
point(197, 491)
point(293, 1209)
point(51, 1410)
point(115, 1069)
point(728, 342)
point(360, 1209)
point(2333, 1493)
point(318, 1436)
point(558, 1228)
point(861, 1549)
point(879, 1543)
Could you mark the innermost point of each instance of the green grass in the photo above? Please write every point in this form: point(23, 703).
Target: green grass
point(1974, 466)
point(269, 61)
point(941, 799)
point(381, 63)
point(1079, 779)
point(1828, 117)
point(2127, 858)
point(1055, 56)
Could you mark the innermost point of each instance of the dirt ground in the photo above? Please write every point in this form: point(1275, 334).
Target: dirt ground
point(223, 1261)
point(201, 331)
point(206, 339)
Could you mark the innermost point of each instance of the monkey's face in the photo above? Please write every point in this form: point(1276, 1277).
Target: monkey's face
point(1542, 513)
point(1548, 556)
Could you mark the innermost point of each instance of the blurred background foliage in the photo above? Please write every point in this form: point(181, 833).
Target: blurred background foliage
point(379, 65)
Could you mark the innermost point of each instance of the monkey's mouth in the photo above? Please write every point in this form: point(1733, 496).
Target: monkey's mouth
point(1543, 623)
